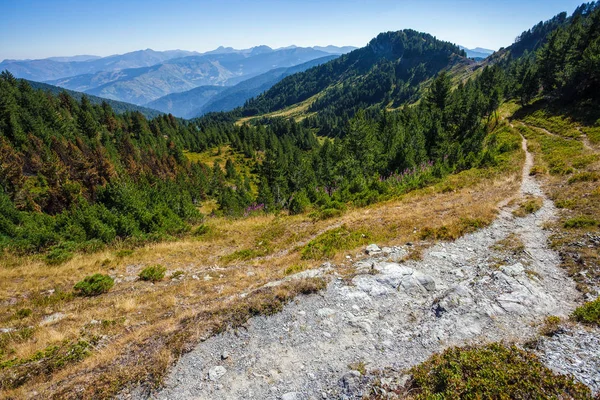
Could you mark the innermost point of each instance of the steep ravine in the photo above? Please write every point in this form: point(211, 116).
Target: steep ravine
point(392, 314)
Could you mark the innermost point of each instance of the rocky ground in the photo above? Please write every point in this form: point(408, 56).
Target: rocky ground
point(394, 314)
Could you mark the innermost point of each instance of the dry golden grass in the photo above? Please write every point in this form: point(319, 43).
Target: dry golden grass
point(137, 329)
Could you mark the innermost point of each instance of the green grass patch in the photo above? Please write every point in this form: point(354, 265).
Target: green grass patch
point(328, 243)
point(43, 362)
point(245, 254)
point(528, 206)
point(593, 134)
point(557, 124)
point(566, 203)
point(294, 269)
point(453, 231)
point(490, 372)
point(581, 221)
point(153, 273)
point(584, 177)
point(589, 312)
point(23, 313)
point(558, 154)
point(124, 253)
point(94, 285)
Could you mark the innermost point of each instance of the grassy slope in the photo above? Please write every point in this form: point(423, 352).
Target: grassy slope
point(138, 329)
point(568, 161)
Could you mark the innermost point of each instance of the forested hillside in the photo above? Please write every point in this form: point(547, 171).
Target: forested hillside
point(81, 173)
point(118, 107)
point(387, 72)
point(73, 173)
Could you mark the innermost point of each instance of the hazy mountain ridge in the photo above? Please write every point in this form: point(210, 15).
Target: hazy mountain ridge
point(197, 101)
point(50, 69)
point(477, 52)
point(220, 67)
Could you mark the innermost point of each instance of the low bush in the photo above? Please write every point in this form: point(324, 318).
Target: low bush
point(176, 274)
point(94, 285)
point(201, 230)
point(581, 221)
point(58, 254)
point(294, 269)
point(326, 244)
point(583, 177)
point(491, 372)
point(528, 206)
point(153, 273)
point(589, 312)
point(23, 313)
point(550, 326)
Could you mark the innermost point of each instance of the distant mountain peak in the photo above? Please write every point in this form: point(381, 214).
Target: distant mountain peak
point(260, 50)
point(477, 52)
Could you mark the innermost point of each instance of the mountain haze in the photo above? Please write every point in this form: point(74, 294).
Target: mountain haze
point(206, 99)
point(62, 67)
point(142, 85)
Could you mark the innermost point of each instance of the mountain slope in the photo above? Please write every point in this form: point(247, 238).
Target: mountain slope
point(388, 71)
point(237, 95)
point(205, 99)
point(186, 104)
point(118, 107)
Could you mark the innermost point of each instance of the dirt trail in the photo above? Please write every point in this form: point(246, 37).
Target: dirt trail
point(392, 314)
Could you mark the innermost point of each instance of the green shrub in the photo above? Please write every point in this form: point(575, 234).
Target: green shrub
point(537, 170)
point(568, 203)
point(124, 253)
point(201, 230)
point(59, 254)
point(94, 285)
point(176, 274)
point(23, 313)
point(490, 372)
point(153, 273)
point(326, 244)
point(299, 203)
point(583, 177)
point(326, 213)
point(529, 206)
point(580, 222)
point(589, 312)
point(293, 269)
point(551, 326)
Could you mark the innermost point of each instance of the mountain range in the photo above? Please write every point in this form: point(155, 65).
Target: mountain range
point(142, 76)
point(477, 52)
point(204, 99)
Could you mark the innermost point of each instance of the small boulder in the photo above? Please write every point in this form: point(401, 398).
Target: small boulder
point(290, 396)
point(215, 373)
point(513, 270)
point(372, 249)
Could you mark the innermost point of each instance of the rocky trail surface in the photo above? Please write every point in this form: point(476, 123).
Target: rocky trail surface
point(395, 314)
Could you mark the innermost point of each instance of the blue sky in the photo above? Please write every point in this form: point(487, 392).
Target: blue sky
point(44, 28)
